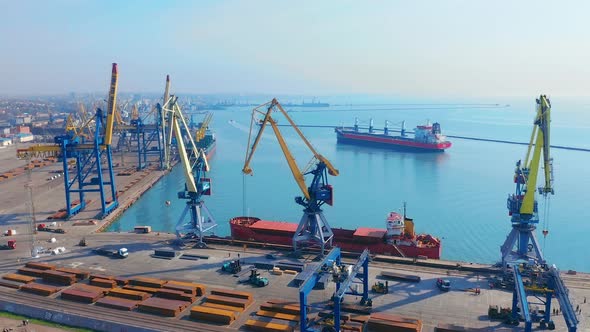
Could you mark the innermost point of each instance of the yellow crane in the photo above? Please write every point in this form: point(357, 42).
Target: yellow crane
point(202, 130)
point(522, 205)
point(313, 229)
point(195, 165)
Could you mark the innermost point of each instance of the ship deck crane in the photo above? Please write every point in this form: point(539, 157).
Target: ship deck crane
point(88, 156)
point(521, 250)
point(202, 130)
point(313, 229)
point(195, 165)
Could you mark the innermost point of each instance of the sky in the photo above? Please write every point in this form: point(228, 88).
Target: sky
point(401, 48)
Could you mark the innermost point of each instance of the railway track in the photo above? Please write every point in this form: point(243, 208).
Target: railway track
point(135, 320)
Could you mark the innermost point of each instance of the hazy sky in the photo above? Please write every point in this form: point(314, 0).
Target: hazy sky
point(413, 48)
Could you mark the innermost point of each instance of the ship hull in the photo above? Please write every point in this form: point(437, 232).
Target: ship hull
point(387, 141)
point(210, 149)
point(276, 232)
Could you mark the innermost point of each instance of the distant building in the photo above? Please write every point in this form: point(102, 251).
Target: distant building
point(23, 119)
point(23, 130)
point(42, 116)
point(41, 123)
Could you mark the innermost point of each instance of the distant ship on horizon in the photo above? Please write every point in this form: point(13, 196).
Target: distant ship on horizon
point(314, 103)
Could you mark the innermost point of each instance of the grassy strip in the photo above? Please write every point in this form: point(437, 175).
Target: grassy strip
point(5, 314)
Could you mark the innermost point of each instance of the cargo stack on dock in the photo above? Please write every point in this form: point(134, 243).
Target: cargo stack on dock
point(123, 299)
point(163, 307)
point(39, 289)
point(81, 295)
point(385, 323)
point(222, 306)
point(276, 316)
point(59, 278)
point(19, 278)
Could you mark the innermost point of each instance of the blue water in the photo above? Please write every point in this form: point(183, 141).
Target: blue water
point(459, 195)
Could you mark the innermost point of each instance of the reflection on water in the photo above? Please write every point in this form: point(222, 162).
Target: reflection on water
point(437, 158)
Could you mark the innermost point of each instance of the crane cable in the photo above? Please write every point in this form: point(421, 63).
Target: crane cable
point(546, 209)
point(244, 194)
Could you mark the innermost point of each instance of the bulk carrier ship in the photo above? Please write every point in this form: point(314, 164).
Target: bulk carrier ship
point(398, 239)
point(427, 138)
point(204, 137)
point(208, 143)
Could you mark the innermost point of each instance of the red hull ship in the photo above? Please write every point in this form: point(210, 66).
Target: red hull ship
point(398, 239)
point(427, 138)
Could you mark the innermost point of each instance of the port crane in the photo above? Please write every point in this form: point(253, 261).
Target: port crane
point(522, 205)
point(150, 131)
point(313, 229)
point(195, 165)
point(88, 156)
point(522, 257)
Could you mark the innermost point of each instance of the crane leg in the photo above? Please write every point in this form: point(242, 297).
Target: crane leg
point(313, 229)
point(201, 221)
point(522, 237)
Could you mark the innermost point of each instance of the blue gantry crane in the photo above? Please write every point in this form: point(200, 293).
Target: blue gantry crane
point(343, 277)
point(521, 252)
point(150, 132)
point(197, 185)
point(313, 229)
point(90, 173)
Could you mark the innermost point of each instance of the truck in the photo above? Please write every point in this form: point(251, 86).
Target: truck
point(116, 253)
point(10, 245)
point(45, 228)
point(443, 284)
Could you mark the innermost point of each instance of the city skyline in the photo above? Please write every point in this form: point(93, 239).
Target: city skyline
point(420, 49)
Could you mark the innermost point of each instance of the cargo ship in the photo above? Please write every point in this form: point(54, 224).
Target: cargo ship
point(427, 138)
point(398, 239)
point(204, 137)
point(208, 143)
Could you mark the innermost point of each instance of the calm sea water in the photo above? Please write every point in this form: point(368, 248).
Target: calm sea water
point(459, 195)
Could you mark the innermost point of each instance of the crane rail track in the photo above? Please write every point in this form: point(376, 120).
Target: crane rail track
point(134, 319)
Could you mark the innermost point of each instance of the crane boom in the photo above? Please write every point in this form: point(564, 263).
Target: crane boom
point(331, 169)
point(522, 205)
point(313, 226)
point(112, 103)
point(194, 167)
point(186, 165)
point(538, 144)
point(297, 174)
